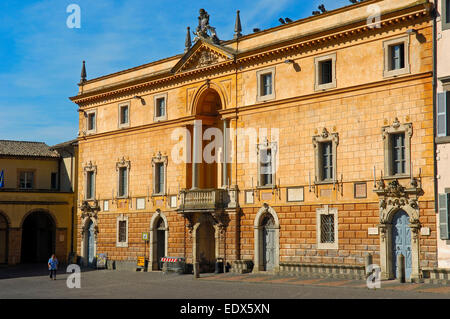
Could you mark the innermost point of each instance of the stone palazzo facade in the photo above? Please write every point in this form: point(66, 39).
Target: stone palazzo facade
point(321, 134)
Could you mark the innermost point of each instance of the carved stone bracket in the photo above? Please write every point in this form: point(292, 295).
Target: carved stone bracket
point(190, 219)
point(394, 196)
point(88, 210)
point(221, 219)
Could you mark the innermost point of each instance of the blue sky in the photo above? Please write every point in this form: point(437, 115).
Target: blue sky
point(40, 57)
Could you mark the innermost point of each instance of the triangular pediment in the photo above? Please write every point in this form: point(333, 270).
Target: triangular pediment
point(203, 53)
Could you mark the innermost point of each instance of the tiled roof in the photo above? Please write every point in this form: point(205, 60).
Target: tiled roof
point(21, 148)
point(64, 144)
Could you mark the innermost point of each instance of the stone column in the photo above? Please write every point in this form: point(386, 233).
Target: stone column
point(385, 251)
point(14, 245)
point(225, 154)
point(196, 151)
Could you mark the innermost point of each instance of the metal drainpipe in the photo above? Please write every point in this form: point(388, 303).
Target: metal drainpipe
point(434, 13)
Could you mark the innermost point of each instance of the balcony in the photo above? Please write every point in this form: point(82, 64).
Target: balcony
point(203, 199)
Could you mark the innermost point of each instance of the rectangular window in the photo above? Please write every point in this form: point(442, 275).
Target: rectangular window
point(123, 181)
point(327, 228)
point(443, 114)
point(266, 167)
point(266, 84)
point(398, 153)
point(122, 231)
point(327, 161)
point(91, 121)
point(326, 72)
point(159, 178)
point(26, 180)
point(90, 194)
point(445, 14)
point(54, 180)
point(447, 11)
point(124, 115)
point(444, 201)
point(160, 107)
point(397, 56)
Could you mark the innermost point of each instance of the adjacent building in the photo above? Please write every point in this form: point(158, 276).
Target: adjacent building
point(37, 201)
point(442, 114)
point(307, 145)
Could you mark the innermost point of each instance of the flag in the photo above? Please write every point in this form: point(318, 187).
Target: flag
point(2, 181)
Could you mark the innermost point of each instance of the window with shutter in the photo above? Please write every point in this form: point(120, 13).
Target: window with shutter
point(123, 181)
point(444, 200)
point(445, 14)
point(266, 167)
point(159, 178)
point(397, 53)
point(398, 154)
point(326, 68)
point(327, 161)
point(266, 82)
point(442, 113)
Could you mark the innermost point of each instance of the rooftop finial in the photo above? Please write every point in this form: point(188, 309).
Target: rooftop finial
point(188, 42)
point(237, 26)
point(83, 73)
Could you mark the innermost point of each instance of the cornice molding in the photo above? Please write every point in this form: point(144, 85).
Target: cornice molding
point(417, 12)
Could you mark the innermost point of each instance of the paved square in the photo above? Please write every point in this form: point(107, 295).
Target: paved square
point(33, 282)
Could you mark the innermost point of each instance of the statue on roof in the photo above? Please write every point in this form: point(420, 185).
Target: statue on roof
point(204, 27)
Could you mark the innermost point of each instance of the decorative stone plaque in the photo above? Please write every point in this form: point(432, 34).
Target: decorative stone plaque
point(325, 192)
point(159, 202)
point(249, 198)
point(266, 196)
point(372, 231)
point(360, 190)
point(425, 231)
point(140, 203)
point(106, 205)
point(295, 194)
point(173, 201)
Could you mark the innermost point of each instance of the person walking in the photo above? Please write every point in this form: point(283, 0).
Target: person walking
point(52, 266)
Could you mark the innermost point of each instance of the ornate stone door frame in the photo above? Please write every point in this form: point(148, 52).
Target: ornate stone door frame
point(153, 262)
point(88, 213)
point(393, 198)
point(258, 238)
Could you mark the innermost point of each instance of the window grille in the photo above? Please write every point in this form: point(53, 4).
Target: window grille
point(122, 231)
point(327, 228)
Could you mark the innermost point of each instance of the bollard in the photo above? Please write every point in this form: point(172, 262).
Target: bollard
point(197, 270)
point(369, 260)
point(401, 268)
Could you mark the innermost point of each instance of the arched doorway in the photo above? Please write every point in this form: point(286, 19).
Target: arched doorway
point(401, 242)
point(38, 237)
point(3, 240)
point(160, 241)
point(207, 139)
point(90, 243)
point(159, 235)
point(206, 254)
point(268, 242)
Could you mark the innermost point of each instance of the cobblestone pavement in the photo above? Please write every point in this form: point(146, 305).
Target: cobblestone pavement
point(34, 283)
